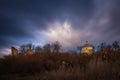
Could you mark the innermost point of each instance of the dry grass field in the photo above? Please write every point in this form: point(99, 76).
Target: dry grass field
point(61, 66)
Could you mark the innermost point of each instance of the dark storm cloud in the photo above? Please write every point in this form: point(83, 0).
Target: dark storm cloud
point(10, 27)
point(14, 13)
point(113, 11)
point(20, 19)
point(47, 9)
point(115, 18)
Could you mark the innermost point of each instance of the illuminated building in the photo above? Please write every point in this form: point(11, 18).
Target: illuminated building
point(87, 49)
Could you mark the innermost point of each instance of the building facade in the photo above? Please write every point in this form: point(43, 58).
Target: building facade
point(87, 49)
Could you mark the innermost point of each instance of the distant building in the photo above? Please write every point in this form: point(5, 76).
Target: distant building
point(87, 49)
point(14, 51)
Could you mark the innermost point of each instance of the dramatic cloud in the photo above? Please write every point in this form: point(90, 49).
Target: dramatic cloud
point(71, 22)
point(64, 33)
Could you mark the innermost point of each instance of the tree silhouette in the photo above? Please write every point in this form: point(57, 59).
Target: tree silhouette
point(38, 49)
point(29, 46)
point(102, 46)
point(56, 47)
point(25, 47)
point(115, 45)
point(47, 48)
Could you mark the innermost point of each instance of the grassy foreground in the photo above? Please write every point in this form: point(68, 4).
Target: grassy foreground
point(61, 66)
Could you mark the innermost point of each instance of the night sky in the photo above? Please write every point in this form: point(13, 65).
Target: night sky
point(70, 22)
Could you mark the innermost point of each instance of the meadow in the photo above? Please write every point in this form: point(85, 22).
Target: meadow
point(61, 66)
point(44, 64)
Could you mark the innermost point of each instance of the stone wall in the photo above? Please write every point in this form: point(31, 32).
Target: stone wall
point(14, 51)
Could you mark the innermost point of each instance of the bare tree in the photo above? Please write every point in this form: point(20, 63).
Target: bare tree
point(38, 49)
point(25, 47)
point(115, 45)
point(56, 47)
point(102, 46)
point(29, 46)
point(47, 48)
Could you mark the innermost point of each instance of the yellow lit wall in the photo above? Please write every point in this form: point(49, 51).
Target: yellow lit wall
point(87, 50)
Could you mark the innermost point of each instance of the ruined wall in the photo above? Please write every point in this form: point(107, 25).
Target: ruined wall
point(14, 51)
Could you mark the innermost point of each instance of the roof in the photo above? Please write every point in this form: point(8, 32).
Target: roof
point(87, 45)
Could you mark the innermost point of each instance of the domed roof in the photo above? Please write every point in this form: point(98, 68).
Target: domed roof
point(87, 45)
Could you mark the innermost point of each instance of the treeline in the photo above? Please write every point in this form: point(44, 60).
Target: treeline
point(108, 49)
point(56, 47)
point(47, 48)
